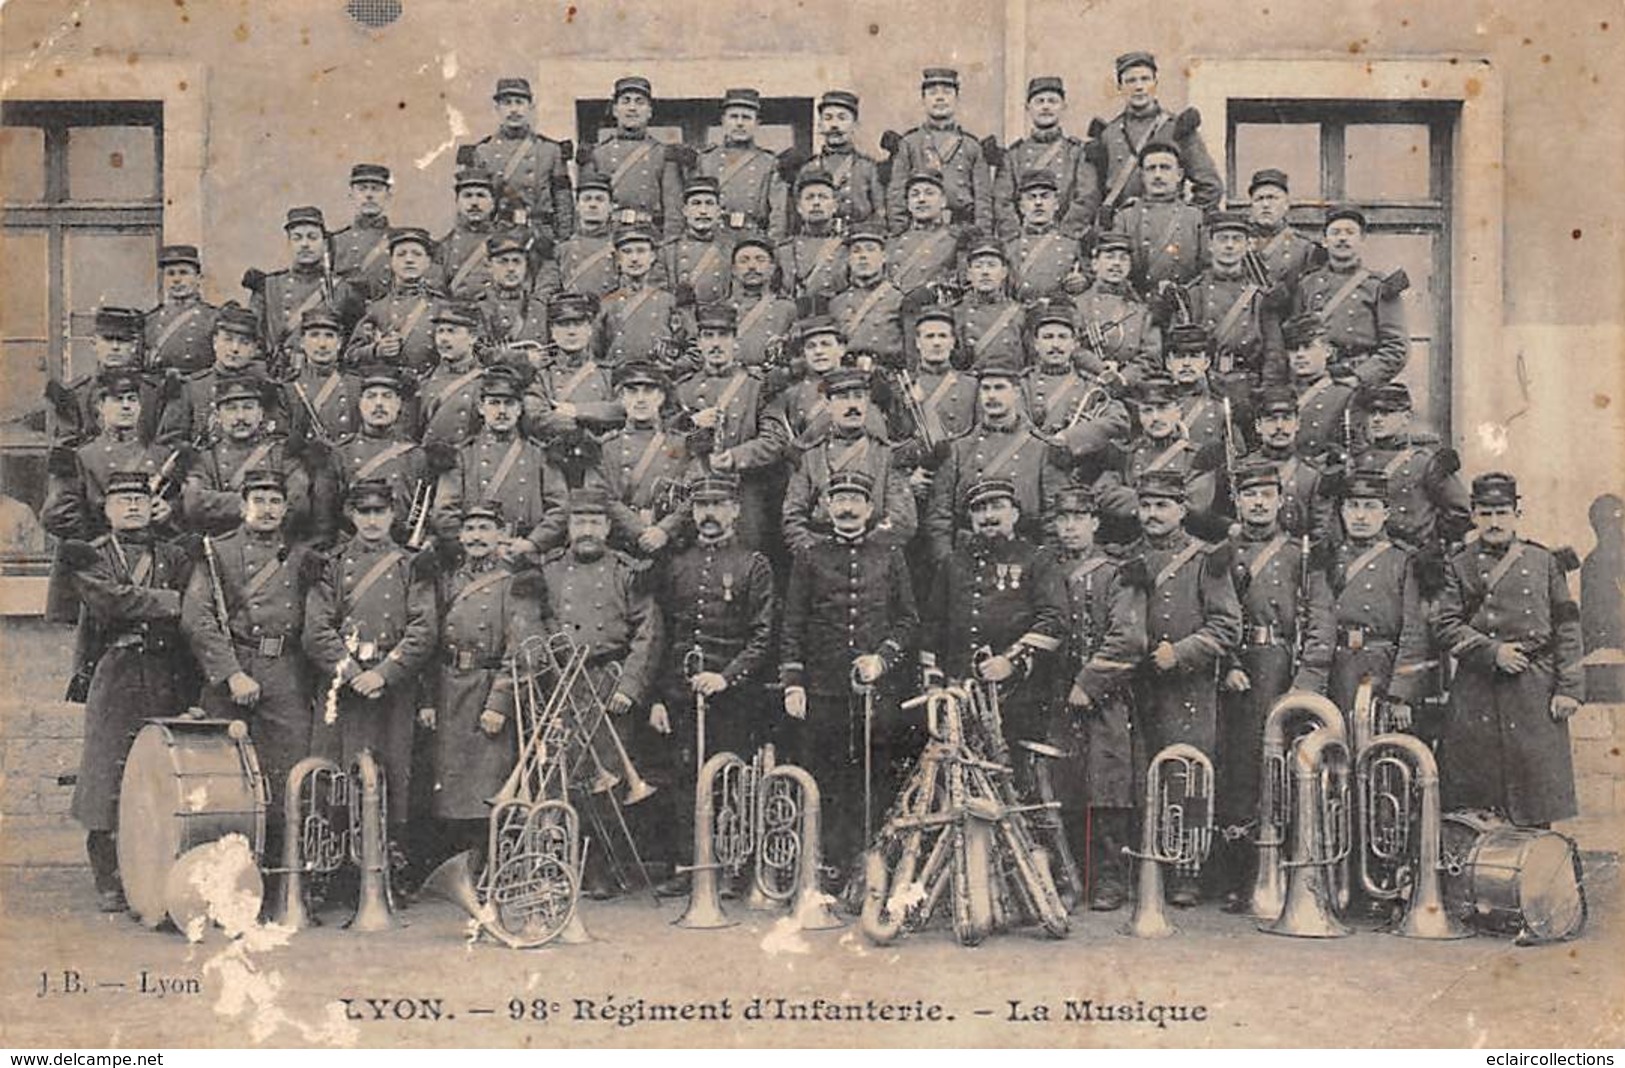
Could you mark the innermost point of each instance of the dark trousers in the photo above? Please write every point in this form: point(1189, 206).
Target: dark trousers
point(829, 744)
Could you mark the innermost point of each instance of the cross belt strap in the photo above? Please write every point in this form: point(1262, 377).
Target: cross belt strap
point(1344, 292)
point(373, 574)
point(1159, 252)
point(470, 263)
point(753, 315)
point(577, 377)
point(480, 582)
point(1399, 460)
point(1500, 570)
point(1365, 560)
point(1166, 456)
point(1087, 568)
point(1266, 554)
point(373, 255)
point(413, 317)
point(505, 466)
point(258, 580)
point(1120, 183)
point(915, 259)
point(1221, 333)
point(450, 389)
point(852, 453)
point(255, 457)
point(511, 168)
point(640, 472)
point(1183, 557)
point(633, 158)
point(1006, 454)
point(325, 394)
point(862, 311)
point(729, 171)
point(142, 571)
point(1000, 325)
point(380, 459)
point(731, 390)
point(1051, 153)
point(710, 257)
point(826, 254)
point(586, 265)
point(631, 305)
point(174, 326)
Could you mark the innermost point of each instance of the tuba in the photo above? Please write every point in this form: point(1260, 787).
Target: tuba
point(1320, 837)
point(1177, 829)
point(1368, 719)
point(330, 818)
point(1286, 719)
point(1390, 771)
point(763, 815)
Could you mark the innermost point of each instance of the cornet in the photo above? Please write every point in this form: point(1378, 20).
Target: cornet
point(1391, 770)
point(1177, 829)
point(417, 516)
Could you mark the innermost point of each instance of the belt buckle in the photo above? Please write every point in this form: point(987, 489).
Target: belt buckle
point(366, 652)
point(1356, 638)
point(465, 659)
point(1263, 635)
point(271, 646)
point(736, 220)
point(626, 216)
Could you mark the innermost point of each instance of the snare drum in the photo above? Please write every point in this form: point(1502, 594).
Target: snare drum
point(186, 782)
point(1512, 880)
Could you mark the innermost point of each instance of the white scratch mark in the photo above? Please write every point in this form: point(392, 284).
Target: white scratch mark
point(785, 937)
point(43, 50)
point(1492, 437)
point(459, 130)
point(448, 65)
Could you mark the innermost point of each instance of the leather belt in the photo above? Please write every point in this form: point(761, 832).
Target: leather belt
point(469, 660)
point(267, 645)
point(630, 216)
point(1263, 634)
point(1357, 638)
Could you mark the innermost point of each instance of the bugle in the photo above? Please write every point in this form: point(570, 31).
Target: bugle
point(417, 516)
point(1397, 786)
point(1176, 829)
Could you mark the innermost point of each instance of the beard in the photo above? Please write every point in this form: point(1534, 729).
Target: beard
point(588, 548)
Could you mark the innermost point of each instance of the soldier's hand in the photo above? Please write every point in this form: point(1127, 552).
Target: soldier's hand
point(1236, 681)
point(706, 418)
point(659, 718)
point(919, 479)
point(1510, 658)
point(514, 548)
point(1563, 707)
point(428, 719)
point(869, 668)
point(368, 684)
point(1076, 281)
point(244, 690)
point(795, 702)
point(161, 510)
point(389, 346)
point(620, 704)
point(1078, 699)
point(1399, 714)
point(566, 412)
point(709, 683)
point(722, 460)
point(1164, 657)
point(492, 721)
point(652, 540)
point(995, 669)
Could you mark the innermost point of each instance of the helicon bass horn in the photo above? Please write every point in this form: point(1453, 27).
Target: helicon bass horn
point(1292, 716)
point(1177, 829)
point(764, 817)
point(1397, 785)
point(332, 817)
point(1319, 839)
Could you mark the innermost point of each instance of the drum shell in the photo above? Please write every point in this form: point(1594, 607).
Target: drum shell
point(1512, 880)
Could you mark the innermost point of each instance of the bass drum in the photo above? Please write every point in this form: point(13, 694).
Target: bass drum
point(1512, 880)
point(186, 782)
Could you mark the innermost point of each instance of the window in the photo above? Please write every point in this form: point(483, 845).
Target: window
point(83, 211)
point(1394, 161)
point(694, 121)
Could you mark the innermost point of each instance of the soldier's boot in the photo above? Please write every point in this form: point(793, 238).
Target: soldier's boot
point(102, 850)
point(1184, 889)
point(1109, 867)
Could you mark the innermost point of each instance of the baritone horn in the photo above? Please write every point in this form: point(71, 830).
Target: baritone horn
point(1177, 829)
point(1320, 837)
point(1397, 786)
point(1289, 718)
point(332, 817)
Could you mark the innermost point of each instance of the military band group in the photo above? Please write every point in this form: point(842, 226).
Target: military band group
point(770, 432)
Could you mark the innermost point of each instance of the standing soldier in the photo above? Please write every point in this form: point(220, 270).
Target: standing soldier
point(1508, 618)
point(639, 321)
point(941, 145)
point(587, 257)
point(515, 306)
point(130, 584)
point(118, 348)
point(360, 250)
point(812, 260)
point(1286, 254)
point(643, 464)
point(1306, 504)
point(725, 402)
point(849, 613)
point(1046, 262)
point(450, 393)
point(989, 321)
point(925, 250)
point(1193, 624)
point(1428, 505)
point(1324, 416)
point(696, 261)
point(532, 171)
point(570, 396)
point(1227, 302)
point(370, 629)
point(398, 327)
point(1189, 358)
point(212, 498)
point(1164, 447)
point(1048, 149)
point(1052, 388)
point(189, 412)
point(946, 395)
point(765, 319)
point(382, 451)
point(1169, 241)
point(1116, 325)
point(78, 475)
point(752, 191)
point(1106, 632)
point(870, 307)
point(322, 397)
point(178, 330)
point(1365, 320)
point(645, 178)
point(462, 264)
point(281, 299)
point(859, 193)
point(1143, 121)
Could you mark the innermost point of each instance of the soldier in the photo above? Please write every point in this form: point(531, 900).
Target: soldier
point(1229, 304)
point(1047, 149)
point(1324, 415)
point(1286, 617)
point(765, 319)
point(1106, 641)
point(360, 250)
point(178, 330)
point(570, 395)
point(76, 486)
point(1193, 624)
point(130, 584)
point(725, 402)
point(324, 396)
point(1189, 359)
point(846, 444)
point(696, 261)
point(252, 658)
point(989, 321)
point(531, 170)
point(1052, 388)
point(643, 465)
point(381, 451)
point(281, 298)
point(117, 345)
point(925, 251)
point(1004, 444)
point(515, 305)
point(1164, 446)
point(812, 260)
point(461, 259)
point(398, 327)
point(1428, 505)
point(802, 411)
point(941, 145)
point(1365, 320)
point(645, 175)
point(640, 320)
point(370, 629)
point(1169, 241)
point(587, 258)
point(1142, 121)
point(753, 195)
point(946, 396)
point(1046, 262)
point(1306, 504)
point(870, 308)
point(849, 614)
point(1115, 323)
point(1286, 254)
point(860, 195)
point(450, 394)
point(717, 595)
point(189, 412)
point(1510, 622)
point(500, 464)
point(212, 497)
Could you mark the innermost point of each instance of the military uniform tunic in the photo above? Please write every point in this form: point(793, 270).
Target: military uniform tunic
point(1043, 263)
point(645, 185)
point(76, 489)
point(1127, 334)
point(990, 330)
point(703, 264)
point(1015, 451)
point(1231, 309)
point(754, 196)
point(636, 323)
point(1062, 155)
point(450, 399)
point(407, 312)
point(283, 298)
point(605, 604)
point(514, 315)
point(806, 504)
point(1323, 414)
point(1305, 506)
point(1126, 134)
point(966, 178)
point(922, 255)
point(763, 321)
point(1175, 453)
point(180, 334)
point(361, 255)
point(872, 317)
point(396, 460)
point(462, 264)
point(1381, 627)
point(212, 497)
point(644, 469)
point(1287, 254)
point(813, 264)
point(1427, 504)
point(587, 264)
point(1366, 327)
point(859, 193)
point(532, 181)
point(740, 396)
point(78, 420)
point(514, 470)
point(1170, 243)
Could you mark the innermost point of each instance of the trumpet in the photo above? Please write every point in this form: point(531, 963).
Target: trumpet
point(1287, 719)
point(1392, 769)
point(1177, 829)
point(1097, 399)
point(1320, 837)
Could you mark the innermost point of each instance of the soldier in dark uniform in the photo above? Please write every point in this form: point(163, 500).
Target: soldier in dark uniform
point(765, 319)
point(753, 194)
point(1193, 625)
point(725, 402)
point(118, 348)
point(370, 627)
point(849, 613)
point(1046, 262)
point(1229, 304)
point(398, 327)
point(1163, 446)
point(188, 412)
point(870, 307)
point(1428, 506)
point(717, 596)
point(360, 250)
point(1106, 641)
point(570, 397)
point(812, 259)
point(280, 299)
point(643, 465)
point(461, 259)
point(253, 661)
point(989, 320)
point(177, 331)
point(1362, 310)
point(945, 394)
point(531, 170)
point(1286, 616)
point(78, 476)
point(1510, 622)
point(640, 319)
point(1047, 148)
point(131, 586)
point(1169, 240)
point(515, 306)
point(940, 144)
point(322, 405)
point(212, 497)
point(1142, 121)
point(697, 260)
point(859, 193)
point(1306, 502)
point(1188, 357)
point(587, 257)
point(381, 450)
point(645, 175)
point(1116, 326)
point(449, 395)
point(1325, 418)
point(925, 250)
point(1286, 254)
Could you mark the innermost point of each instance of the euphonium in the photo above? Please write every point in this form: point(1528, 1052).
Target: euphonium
point(1177, 829)
point(1389, 770)
point(313, 842)
point(1287, 716)
point(1319, 839)
point(369, 845)
point(704, 896)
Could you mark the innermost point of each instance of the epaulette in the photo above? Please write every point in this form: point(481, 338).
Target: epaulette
point(1430, 570)
point(439, 458)
point(1207, 526)
point(310, 565)
point(77, 555)
point(1133, 573)
point(426, 563)
point(1220, 558)
point(1448, 459)
point(1097, 126)
point(891, 141)
point(254, 279)
point(1394, 284)
point(529, 584)
point(635, 564)
point(1186, 123)
point(684, 156)
point(1209, 457)
point(1564, 556)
